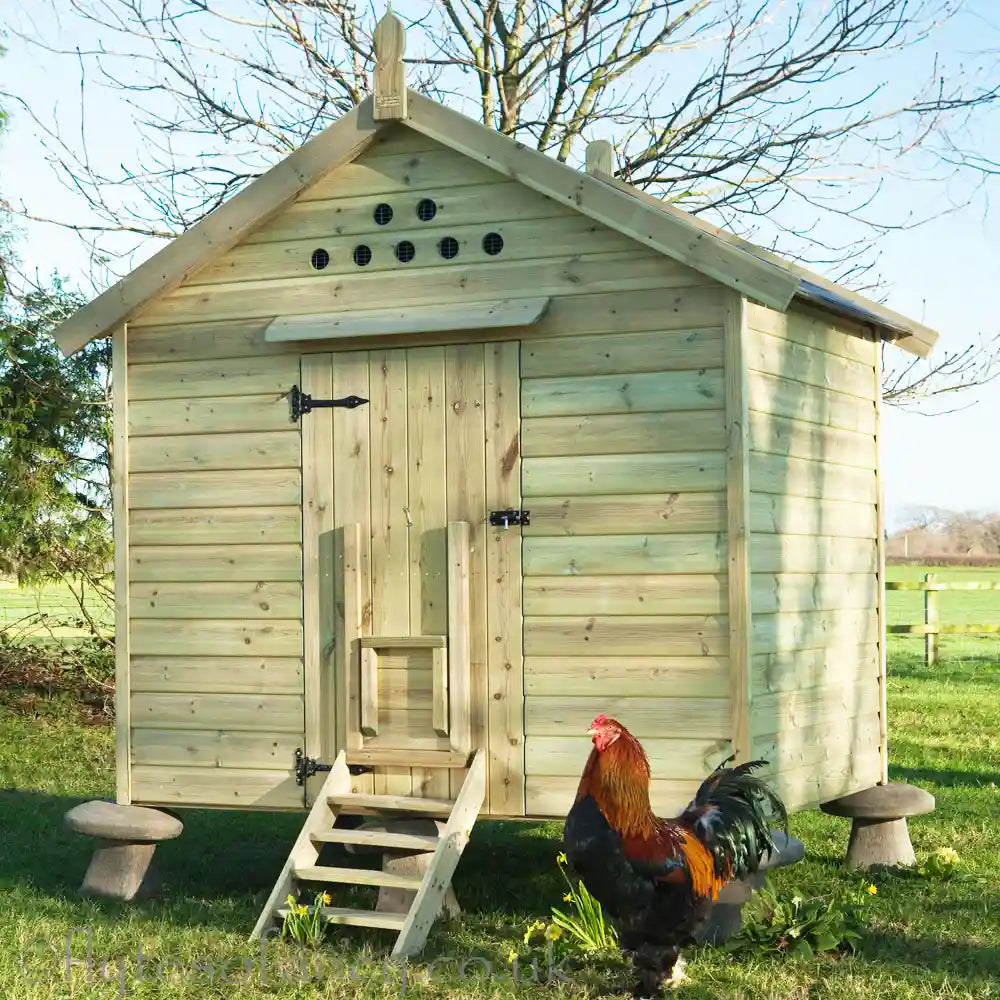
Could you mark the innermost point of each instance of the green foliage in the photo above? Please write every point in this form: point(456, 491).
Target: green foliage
point(789, 923)
point(941, 863)
point(54, 446)
point(303, 923)
point(586, 924)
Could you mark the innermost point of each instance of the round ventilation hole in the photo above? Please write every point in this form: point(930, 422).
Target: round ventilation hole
point(426, 210)
point(492, 243)
point(320, 258)
point(362, 255)
point(448, 247)
point(382, 214)
point(405, 251)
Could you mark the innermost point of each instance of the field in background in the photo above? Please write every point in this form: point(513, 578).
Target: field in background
point(50, 611)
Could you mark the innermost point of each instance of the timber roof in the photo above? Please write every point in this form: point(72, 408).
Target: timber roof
point(757, 273)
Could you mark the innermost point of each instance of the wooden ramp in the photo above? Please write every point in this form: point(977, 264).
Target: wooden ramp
point(336, 798)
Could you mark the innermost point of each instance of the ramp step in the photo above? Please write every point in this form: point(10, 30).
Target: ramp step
point(356, 876)
point(376, 838)
point(357, 918)
point(393, 803)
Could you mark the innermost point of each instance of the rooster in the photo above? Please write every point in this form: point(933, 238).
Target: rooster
point(657, 879)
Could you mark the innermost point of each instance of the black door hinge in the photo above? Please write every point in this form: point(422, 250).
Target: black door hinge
point(306, 767)
point(505, 518)
point(302, 403)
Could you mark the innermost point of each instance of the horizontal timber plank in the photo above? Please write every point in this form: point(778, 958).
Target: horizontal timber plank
point(209, 415)
point(216, 526)
point(215, 452)
point(227, 637)
point(803, 439)
point(215, 563)
point(572, 315)
point(783, 514)
point(618, 353)
point(812, 629)
point(640, 392)
point(799, 748)
point(555, 235)
point(623, 433)
point(601, 475)
point(633, 676)
point(185, 380)
point(471, 282)
point(787, 398)
point(233, 788)
point(239, 488)
point(645, 717)
point(217, 674)
point(642, 594)
point(802, 708)
point(816, 329)
point(204, 748)
point(397, 173)
point(409, 758)
point(626, 635)
point(670, 513)
point(804, 478)
point(623, 555)
point(357, 876)
point(806, 787)
point(266, 713)
point(551, 797)
point(773, 592)
point(228, 599)
point(812, 554)
point(565, 756)
point(790, 669)
point(393, 803)
point(352, 215)
point(777, 356)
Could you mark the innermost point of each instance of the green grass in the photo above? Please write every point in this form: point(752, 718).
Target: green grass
point(49, 611)
point(927, 939)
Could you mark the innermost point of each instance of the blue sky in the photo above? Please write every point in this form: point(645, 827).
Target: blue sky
point(946, 273)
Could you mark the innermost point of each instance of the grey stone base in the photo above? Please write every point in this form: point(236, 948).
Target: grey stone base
point(121, 871)
point(879, 842)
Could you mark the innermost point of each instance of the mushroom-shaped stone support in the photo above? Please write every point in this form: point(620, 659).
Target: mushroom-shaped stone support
point(122, 864)
point(879, 835)
point(726, 917)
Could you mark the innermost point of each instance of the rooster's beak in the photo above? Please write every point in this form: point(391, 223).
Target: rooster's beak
point(591, 732)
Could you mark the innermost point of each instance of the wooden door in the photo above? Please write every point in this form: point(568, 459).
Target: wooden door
point(436, 445)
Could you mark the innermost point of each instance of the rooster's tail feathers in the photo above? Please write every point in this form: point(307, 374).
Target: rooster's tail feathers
point(732, 814)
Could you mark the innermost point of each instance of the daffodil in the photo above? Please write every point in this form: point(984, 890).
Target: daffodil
point(568, 897)
point(530, 932)
point(561, 858)
point(512, 955)
point(324, 898)
point(553, 932)
point(290, 900)
point(872, 890)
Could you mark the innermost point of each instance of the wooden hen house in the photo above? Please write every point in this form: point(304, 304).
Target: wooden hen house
point(429, 448)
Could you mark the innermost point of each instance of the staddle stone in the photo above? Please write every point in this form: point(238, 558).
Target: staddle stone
point(879, 834)
point(122, 864)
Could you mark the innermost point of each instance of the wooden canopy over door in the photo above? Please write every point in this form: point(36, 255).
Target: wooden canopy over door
point(436, 445)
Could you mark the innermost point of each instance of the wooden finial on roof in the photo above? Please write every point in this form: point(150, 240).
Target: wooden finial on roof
point(389, 39)
point(601, 158)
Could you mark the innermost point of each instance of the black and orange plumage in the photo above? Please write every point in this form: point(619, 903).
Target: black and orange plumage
point(657, 879)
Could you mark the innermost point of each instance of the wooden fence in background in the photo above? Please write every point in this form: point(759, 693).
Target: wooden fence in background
point(932, 628)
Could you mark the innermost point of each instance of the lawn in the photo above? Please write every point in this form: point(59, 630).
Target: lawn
point(926, 938)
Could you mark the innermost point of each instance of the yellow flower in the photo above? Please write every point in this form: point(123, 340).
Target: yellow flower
point(553, 932)
point(948, 855)
point(512, 955)
point(324, 898)
point(872, 890)
point(302, 910)
point(290, 900)
point(530, 932)
point(561, 858)
point(568, 897)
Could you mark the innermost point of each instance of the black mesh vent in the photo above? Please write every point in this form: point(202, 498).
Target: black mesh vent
point(362, 255)
point(320, 258)
point(448, 247)
point(426, 210)
point(405, 251)
point(382, 214)
point(492, 243)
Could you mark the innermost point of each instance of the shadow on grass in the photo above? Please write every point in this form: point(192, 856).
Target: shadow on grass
point(232, 858)
point(960, 961)
point(953, 668)
point(945, 777)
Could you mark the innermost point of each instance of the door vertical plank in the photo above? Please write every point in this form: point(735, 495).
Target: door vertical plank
point(352, 506)
point(466, 488)
point(389, 513)
point(321, 722)
point(428, 514)
point(505, 666)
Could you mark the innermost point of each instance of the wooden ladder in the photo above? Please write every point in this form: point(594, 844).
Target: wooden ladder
point(336, 797)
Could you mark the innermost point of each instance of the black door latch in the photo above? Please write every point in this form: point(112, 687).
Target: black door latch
point(306, 767)
point(505, 518)
point(302, 403)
